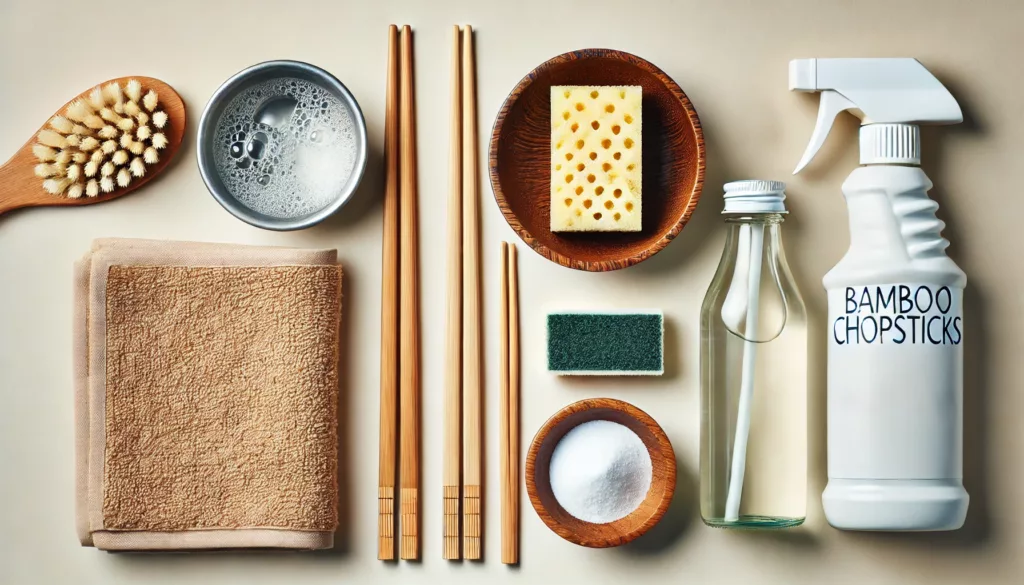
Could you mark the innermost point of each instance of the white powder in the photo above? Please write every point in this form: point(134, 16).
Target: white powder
point(600, 471)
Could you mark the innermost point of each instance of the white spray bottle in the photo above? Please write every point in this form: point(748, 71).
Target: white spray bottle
point(895, 314)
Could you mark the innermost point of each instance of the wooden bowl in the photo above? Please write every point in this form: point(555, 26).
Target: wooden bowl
point(673, 160)
point(650, 511)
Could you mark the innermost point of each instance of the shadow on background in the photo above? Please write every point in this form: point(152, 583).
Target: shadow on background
point(678, 519)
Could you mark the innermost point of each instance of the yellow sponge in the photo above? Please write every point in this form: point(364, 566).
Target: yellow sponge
point(596, 173)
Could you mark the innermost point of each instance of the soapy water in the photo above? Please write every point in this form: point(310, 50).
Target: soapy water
point(285, 148)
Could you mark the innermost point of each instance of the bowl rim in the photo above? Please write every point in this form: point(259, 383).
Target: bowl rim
point(666, 454)
point(513, 220)
point(227, 201)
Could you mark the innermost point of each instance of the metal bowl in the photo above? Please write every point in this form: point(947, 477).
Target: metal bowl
point(211, 120)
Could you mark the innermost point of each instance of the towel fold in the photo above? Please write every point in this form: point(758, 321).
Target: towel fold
point(206, 396)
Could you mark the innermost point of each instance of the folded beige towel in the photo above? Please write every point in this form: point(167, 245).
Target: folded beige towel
point(206, 396)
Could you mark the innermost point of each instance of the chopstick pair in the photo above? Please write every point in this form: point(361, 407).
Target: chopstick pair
point(400, 383)
point(463, 462)
point(509, 409)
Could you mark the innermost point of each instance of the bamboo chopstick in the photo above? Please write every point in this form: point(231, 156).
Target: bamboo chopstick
point(389, 318)
point(471, 343)
point(503, 420)
point(510, 486)
point(453, 373)
point(409, 352)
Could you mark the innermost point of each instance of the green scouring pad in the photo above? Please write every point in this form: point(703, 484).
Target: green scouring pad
point(606, 343)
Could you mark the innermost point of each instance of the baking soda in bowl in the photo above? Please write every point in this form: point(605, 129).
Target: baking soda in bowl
point(600, 471)
point(285, 147)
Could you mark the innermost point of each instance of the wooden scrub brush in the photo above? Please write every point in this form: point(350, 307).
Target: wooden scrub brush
point(105, 143)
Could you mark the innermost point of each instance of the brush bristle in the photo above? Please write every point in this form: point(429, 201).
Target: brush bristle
point(55, 186)
point(103, 141)
point(45, 171)
point(96, 99)
point(78, 111)
point(52, 138)
point(110, 115)
point(151, 100)
point(133, 89)
point(43, 153)
point(95, 122)
point(112, 91)
point(62, 124)
point(138, 167)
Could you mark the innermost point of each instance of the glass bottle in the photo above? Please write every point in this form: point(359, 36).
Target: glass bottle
point(753, 372)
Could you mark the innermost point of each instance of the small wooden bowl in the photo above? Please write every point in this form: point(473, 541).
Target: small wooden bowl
point(673, 160)
point(650, 511)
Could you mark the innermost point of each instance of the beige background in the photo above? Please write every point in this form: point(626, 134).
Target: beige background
point(730, 58)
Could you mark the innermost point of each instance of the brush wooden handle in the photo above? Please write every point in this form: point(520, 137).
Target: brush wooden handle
point(471, 341)
point(453, 372)
point(409, 351)
point(389, 318)
point(19, 187)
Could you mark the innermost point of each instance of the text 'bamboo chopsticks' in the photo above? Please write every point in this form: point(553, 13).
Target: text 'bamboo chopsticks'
point(400, 376)
point(509, 408)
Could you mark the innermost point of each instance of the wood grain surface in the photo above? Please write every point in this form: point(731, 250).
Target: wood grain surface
point(650, 511)
point(20, 187)
point(673, 160)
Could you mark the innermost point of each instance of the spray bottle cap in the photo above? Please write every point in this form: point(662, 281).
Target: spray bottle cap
point(890, 95)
